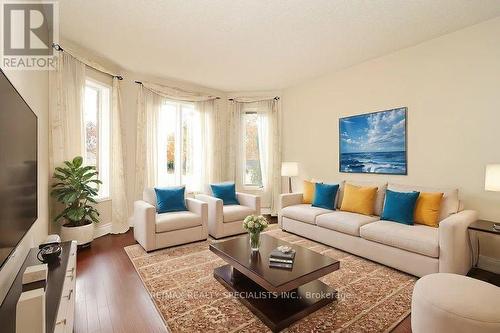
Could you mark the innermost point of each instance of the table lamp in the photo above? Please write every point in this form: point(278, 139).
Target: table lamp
point(290, 169)
point(492, 182)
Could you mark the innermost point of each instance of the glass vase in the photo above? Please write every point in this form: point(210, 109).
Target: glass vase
point(254, 240)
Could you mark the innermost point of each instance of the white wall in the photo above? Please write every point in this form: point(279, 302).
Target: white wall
point(33, 86)
point(451, 86)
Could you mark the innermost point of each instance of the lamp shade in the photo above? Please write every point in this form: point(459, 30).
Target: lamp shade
point(492, 177)
point(290, 169)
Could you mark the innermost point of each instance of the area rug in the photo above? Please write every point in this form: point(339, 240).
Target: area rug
point(371, 297)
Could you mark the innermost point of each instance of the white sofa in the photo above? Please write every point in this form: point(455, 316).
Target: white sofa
point(155, 231)
point(227, 220)
point(418, 249)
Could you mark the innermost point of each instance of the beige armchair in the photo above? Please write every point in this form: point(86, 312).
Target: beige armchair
point(155, 231)
point(227, 220)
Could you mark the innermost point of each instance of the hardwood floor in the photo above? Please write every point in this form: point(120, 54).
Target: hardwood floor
point(110, 296)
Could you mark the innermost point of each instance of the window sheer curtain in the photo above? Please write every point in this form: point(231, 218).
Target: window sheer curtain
point(119, 203)
point(150, 99)
point(269, 118)
point(66, 99)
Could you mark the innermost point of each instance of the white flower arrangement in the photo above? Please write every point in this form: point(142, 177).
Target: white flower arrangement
point(253, 223)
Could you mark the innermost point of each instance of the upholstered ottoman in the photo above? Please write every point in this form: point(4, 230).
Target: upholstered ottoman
point(445, 302)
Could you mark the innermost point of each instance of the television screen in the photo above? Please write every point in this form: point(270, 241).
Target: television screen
point(18, 168)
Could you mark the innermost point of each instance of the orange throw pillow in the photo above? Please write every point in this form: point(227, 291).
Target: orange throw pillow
point(427, 208)
point(359, 199)
point(308, 192)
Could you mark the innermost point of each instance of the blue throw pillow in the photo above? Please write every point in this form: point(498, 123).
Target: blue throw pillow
point(226, 192)
point(170, 199)
point(324, 195)
point(400, 206)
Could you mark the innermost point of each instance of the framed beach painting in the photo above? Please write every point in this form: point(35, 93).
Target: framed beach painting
point(374, 143)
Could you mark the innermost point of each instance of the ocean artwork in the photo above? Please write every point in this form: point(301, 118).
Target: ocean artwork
point(374, 143)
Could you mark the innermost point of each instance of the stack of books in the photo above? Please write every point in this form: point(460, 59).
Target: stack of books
point(279, 259)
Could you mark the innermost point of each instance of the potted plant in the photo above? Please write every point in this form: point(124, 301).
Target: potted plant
point(76, 188)
point(255, 225)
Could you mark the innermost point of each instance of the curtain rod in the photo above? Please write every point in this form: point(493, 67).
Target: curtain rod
point(58, 47)
point(276, 98)
point(139, 82)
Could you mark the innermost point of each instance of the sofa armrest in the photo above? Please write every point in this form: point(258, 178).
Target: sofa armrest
point(145, 224)
point(249, 200)
point(199, 208)
point(215, 212)
point(454, 245)
point(290, 199)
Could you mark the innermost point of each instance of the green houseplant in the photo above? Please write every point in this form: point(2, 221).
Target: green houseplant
point(76, 188)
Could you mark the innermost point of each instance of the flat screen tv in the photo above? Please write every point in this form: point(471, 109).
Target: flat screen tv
point(18, 168)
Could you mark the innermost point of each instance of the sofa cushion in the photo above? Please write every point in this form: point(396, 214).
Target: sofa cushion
point(416, 238)
point(379, 199)
point(176, 221)
point(304, 213)
point(345, 222)
point(449, 205)
point(234, 213)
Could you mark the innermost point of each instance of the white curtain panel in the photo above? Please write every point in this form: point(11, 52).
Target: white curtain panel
point(119, 204)
point(212, 137)
point(148, 108)
point(67, 87)
point(269, 118)
point(235, 170)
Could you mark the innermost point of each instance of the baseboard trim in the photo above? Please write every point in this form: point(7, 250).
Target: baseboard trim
point(489, 264)
point(102, 230)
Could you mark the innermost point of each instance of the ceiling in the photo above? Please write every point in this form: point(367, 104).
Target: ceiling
point(236, 45)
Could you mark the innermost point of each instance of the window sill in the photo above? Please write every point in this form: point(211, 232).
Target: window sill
point(253, 188)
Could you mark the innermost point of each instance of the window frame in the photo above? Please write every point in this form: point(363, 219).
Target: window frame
point(179, 106)
point(249, 187)
point(99, 86)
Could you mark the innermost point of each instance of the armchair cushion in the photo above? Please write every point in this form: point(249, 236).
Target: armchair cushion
point(234, 213)
point(170, 199)
point(177, 220)
point(226, 192)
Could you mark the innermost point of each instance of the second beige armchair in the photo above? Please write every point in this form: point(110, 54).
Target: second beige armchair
point(227, 220)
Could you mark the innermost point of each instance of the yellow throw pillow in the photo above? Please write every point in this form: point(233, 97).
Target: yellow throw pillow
point(308, 193)
point(427, 208)
point(359, 199)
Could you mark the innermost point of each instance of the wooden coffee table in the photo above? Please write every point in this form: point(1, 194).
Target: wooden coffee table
point(277, 296)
